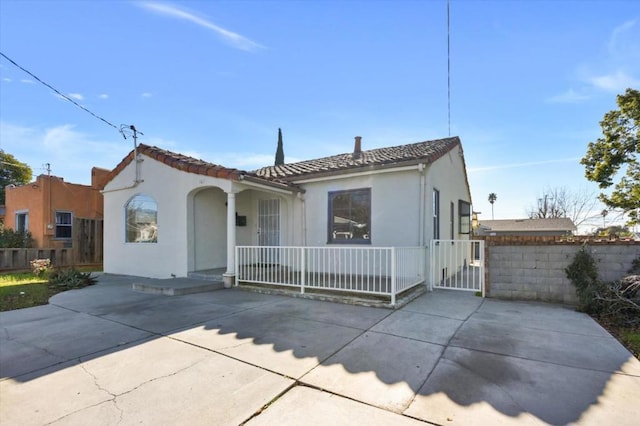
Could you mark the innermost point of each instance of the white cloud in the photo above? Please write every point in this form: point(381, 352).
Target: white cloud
point(570, 96)
point(618, 42)
point(6, 80)
point(146, 95)
point(615, 82)
point(76, 96)
point(27, 81)
point(37, 146)
point(234, 39)
point(103, 96)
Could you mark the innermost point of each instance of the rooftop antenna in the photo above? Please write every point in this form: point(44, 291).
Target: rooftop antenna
point(131, 130)
point(448, 71)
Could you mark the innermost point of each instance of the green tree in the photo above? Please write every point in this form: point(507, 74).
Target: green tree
point(280, 150)
point(492, 199)
point(13, 172)
point(618, 149)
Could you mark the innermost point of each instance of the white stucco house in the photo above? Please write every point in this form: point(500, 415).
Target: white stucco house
point(168, 215)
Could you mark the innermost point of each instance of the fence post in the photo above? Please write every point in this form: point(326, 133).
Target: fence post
point(393, 276)
point(236, 271)
point(303, 269)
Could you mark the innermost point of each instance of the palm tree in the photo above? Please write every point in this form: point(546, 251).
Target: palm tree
point(492, 199)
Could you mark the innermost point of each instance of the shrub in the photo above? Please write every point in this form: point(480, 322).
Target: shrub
point(40, 266)
point(583, 273)
point(70, 278)
point(10, 238)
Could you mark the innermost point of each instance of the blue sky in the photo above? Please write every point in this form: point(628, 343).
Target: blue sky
point(530, 81)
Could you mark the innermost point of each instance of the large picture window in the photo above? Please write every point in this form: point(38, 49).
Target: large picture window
point(350, 217)
point(464, 210)
point(141, 220)
point(64, 225)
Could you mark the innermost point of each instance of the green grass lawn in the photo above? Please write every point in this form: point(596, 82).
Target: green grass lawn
point(24, 290)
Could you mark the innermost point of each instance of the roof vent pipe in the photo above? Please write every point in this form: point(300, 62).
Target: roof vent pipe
point(357, 149)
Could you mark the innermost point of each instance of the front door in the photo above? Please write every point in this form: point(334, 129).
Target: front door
point(269, 222)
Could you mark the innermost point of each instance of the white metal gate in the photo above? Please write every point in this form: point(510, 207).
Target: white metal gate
point(457, 264)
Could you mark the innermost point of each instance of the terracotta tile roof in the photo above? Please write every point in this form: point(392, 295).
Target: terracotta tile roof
point(421, 152)
point(177, 161)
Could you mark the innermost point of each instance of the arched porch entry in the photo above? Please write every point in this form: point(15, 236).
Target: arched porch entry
point(207, 229)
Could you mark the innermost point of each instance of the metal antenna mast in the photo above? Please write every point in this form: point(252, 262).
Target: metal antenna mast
point(448, 71)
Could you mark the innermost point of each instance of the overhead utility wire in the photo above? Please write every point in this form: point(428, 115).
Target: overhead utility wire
point(58, 92)
point(448, 70)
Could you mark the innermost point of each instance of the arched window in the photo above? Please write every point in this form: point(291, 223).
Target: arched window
point(141, 216)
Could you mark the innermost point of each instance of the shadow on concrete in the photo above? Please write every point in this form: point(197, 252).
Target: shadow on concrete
point(531, 359)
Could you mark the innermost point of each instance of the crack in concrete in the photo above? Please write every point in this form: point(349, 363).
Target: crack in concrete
point(185, 368)
point(103, 389)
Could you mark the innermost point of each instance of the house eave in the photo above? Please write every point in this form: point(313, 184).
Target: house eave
point(268, 185)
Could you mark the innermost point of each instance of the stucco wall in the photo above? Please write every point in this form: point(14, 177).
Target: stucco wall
point(42, 198)
point(537, 272)
point(395, 202)
point(173, 192)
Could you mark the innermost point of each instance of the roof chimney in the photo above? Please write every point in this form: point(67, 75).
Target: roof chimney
point(357, 149)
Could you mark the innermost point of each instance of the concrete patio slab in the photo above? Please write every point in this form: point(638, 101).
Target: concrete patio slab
point(237, 298)
point(39, 337)
point(379, 369)
point(359, 317)
point(446, 303)
point(427, 328)
point(29, 400)
point(277, 342)
point(543, 316)
point(604, 353)
point(167, 313)
point(469, 385)
point(160, 382)
point(114, 356)
point(312, 407)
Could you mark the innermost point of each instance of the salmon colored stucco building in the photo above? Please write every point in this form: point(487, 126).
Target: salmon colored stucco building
point(48, 206)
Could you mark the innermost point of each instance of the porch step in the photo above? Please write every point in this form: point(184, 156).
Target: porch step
point(177, 286)
point(209, 275)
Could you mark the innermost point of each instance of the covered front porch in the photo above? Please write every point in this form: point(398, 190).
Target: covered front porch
point(220, 219)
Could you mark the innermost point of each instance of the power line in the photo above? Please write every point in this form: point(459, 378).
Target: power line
point(58, 92)
point(448, 70)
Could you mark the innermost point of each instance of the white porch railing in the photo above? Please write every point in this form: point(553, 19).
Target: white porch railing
point(386, 271)
point(457, 264)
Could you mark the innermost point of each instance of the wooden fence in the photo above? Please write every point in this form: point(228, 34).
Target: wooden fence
point(86, 249)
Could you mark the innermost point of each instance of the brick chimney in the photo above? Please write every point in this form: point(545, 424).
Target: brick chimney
point(357, 149)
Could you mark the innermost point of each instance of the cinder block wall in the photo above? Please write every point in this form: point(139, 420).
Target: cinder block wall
point(535, 270)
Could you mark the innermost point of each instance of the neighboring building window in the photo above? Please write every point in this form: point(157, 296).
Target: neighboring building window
point(452, 220)
point(436, 214)
point(464, 210)
point(64, 225)
point(350, 216)
point(141, 220)
point(22, 222)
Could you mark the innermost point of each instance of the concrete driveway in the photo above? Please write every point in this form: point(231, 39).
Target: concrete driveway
point(108, 355)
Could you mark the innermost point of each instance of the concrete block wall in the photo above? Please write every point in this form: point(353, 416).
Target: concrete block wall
point(537, 272)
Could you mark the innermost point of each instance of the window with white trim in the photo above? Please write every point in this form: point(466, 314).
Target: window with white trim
point(22, 222)
point(141, 216)
point(64, 225)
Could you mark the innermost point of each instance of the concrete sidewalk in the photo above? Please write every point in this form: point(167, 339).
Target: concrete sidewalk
point(108, 355)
